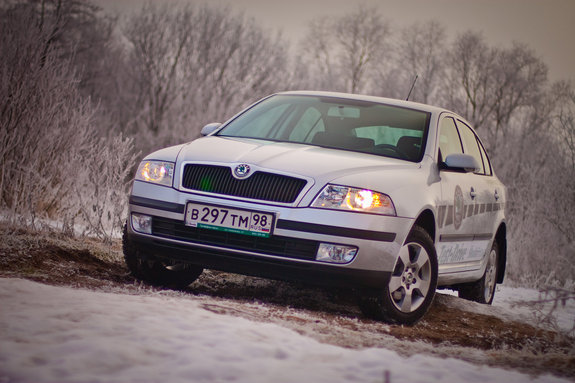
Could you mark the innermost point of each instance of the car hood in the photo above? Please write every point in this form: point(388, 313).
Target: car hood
point(320, 164)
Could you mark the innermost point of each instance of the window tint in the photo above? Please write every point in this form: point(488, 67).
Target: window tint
point(486, 162)
point(449, 141)
point(470, 145)
point(259, 125)
point(337, 123)
point(309, 124)
point(387, 134)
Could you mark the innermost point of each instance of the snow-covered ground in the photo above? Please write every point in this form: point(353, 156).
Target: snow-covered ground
point(508, 305)
point(56, 334)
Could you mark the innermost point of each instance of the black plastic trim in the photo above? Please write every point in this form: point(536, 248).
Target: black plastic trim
point(157, 204)
point(464, 237)
point(335, 230)
point(249, 264)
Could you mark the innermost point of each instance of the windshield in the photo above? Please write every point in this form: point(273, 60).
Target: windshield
point(337, 123)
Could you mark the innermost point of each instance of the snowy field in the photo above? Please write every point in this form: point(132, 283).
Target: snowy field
point(56, 334)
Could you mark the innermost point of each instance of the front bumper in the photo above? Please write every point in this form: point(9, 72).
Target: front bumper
point(246, 264)
point(289, 254)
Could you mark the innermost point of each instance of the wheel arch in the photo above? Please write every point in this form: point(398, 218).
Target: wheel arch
point(501, 240)
point(426, 220)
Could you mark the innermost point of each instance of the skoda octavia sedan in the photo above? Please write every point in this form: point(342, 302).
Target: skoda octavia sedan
point(392, 199)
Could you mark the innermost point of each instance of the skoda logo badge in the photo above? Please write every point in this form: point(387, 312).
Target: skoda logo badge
point(242, 171)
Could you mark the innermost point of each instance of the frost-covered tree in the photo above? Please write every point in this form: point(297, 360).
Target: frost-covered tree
point(421, 50)
point(48, 138)
point(192, 65)
point(344, 53)
point(488, 86)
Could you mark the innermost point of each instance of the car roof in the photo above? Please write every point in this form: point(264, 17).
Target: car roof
point(382, 100)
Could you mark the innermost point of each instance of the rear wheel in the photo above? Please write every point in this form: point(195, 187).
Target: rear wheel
point(158, 272)
point(483, 291)
point(411, 288)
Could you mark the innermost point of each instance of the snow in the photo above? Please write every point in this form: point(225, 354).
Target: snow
point(508, 304)
point(56, 334)
point(510, 296)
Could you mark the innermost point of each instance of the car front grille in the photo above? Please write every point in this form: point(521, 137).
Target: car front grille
point(260, 185)
point(274, 245)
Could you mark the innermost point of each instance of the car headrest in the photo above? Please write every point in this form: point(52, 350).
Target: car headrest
point(342, 141)
point(410, 146)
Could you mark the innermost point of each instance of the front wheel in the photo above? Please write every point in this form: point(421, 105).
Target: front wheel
point(157, 272)
point(483, 291)
point(411, 288)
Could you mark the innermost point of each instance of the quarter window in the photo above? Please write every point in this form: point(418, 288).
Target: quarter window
point(449, 141)
point(470, 145)
point(486, 162)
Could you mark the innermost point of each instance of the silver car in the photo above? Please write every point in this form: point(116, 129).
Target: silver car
point(390, 198)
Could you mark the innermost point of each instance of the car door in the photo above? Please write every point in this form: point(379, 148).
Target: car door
point(457, 206)
point(488, 196)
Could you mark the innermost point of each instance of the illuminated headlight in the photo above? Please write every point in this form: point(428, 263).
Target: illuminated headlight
point(142, 223)
point(157, 172)
point(347, 198)
point(333, 253)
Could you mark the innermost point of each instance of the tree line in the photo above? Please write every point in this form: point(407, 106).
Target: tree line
point(84, 94)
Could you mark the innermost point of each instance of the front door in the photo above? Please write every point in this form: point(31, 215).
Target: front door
point(459, 248)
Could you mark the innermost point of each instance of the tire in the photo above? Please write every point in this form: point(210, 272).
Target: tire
point(483, 290)
point(411, 288)
point(156, 272)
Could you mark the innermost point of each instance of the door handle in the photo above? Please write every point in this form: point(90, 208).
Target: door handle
point(472, 193)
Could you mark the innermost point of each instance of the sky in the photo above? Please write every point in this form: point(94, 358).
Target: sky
point(547, 26)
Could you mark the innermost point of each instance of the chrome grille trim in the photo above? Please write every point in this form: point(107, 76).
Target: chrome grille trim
point(260, 185)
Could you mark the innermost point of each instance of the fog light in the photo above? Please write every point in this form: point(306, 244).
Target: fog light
point(332, 253)
point(142, 223)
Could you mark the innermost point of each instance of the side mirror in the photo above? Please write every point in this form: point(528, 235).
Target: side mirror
point(460, 162)
point(210, 128)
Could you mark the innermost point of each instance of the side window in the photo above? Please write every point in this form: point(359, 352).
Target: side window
point(486, 162)
point(449, 141)
point(470, 145)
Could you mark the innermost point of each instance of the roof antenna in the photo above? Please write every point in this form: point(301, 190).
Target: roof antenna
point(412, 86)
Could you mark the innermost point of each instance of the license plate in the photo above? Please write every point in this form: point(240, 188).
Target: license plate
point(231, 220)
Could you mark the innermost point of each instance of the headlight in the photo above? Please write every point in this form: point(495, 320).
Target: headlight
point(347, 198)
point(157, 172)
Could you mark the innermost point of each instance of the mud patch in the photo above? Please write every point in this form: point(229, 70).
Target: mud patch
point(58, 260)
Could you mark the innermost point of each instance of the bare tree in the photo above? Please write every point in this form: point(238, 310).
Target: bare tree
point(566, 121)
point(469, 78)
point(489, 85)
point(362, 37)
point(347, 50)
point(561, 187)
point(47, 135)
point(159, 38)
point(421, 50)
point(534, 162)
point(76, 30)
point(191, 65)
point(237, 61)
point(318, 56)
